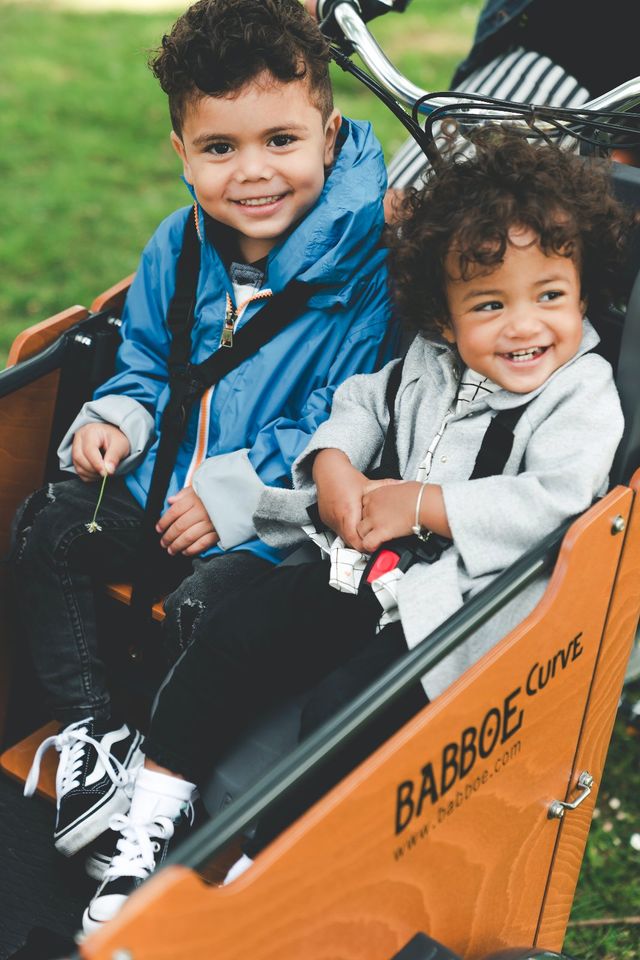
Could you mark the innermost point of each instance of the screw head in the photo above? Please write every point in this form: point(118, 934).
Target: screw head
point(618, 525)
point(121, 955)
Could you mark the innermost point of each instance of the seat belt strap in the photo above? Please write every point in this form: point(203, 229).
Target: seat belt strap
point(494, 451)
point(491, 460)
point(188, 382)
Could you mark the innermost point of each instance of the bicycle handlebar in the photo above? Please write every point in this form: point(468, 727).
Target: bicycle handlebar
point(352, 26)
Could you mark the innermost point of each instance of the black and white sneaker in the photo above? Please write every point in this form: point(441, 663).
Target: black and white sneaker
point(100, 853)
point(156, 823)
point(94, 780)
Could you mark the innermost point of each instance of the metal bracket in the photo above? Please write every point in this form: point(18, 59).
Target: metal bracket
point(557, 808)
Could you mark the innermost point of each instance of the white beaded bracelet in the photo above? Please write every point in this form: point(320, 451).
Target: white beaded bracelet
point(422, 533)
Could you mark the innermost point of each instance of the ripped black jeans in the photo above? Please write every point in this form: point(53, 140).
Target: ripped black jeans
point(57, 567)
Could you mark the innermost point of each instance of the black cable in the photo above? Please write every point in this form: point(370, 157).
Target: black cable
point(595, 128)
point(426, 145)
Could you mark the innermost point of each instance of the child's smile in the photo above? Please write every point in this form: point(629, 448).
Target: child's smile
point(522, 320)
point(257, 159)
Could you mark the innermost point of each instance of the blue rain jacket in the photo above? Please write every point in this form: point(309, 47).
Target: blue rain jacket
point(271, 404)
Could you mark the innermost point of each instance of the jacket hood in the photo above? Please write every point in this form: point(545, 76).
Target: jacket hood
point(334, 244)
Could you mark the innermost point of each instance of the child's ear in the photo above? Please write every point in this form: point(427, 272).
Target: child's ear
point(178, 146)
point(447, 332)
point(331, 129)
point(584, 303)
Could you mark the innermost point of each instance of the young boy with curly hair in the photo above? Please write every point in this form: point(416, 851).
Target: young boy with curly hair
point(286, 195)
point(495, 261)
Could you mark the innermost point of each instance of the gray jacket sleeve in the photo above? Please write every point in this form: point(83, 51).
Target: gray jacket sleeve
point(123, 412)
point(357, 424)
point(230, 489)
point(578, 425)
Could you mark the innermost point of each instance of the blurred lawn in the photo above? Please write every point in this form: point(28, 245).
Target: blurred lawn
point(86, 174)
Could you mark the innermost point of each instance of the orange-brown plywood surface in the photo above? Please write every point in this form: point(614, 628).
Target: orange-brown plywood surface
point(113, 298)
point(16, 761)
point(122, 592)
point(35, 338)
point(445, 828)
point(25, 427)
point(592, 748)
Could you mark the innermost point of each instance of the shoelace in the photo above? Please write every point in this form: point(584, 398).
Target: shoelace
point(138, 844)
point(71, 745)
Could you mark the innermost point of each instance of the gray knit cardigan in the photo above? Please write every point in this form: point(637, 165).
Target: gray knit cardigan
point(563, 449)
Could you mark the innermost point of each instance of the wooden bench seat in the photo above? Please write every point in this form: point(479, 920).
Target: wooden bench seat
point(16, 761)
point(122, 592)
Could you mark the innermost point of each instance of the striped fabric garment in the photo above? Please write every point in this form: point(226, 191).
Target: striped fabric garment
point(523, 76)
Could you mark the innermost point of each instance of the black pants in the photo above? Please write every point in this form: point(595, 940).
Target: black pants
point(288, 631)
point(58, 566)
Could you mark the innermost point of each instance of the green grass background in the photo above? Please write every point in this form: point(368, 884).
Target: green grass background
point(86, 174)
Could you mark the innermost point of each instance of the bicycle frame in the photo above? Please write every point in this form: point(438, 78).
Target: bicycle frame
point(618, 100)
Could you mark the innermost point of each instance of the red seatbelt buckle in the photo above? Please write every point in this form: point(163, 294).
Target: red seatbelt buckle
point(384, 561)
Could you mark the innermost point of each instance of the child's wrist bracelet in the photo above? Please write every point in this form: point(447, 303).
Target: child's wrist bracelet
point(422, 533)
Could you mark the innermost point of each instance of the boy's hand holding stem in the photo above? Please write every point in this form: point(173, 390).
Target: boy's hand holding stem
point(186, 527)
point(97, 450)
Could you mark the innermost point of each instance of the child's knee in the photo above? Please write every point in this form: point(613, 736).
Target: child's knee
point(45, 520)
point(183, 610)
point(26, 519)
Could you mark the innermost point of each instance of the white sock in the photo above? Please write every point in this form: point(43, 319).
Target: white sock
point(158, 794)
point(238, 869)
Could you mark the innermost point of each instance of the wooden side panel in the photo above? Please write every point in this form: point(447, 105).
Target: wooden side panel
point(25, 428)
point(5, 649)
point(594, 742)
point(444, 829)
point(114, 297)
point(35, 338)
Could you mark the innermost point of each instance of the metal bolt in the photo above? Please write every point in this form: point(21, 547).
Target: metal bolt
point(618, 525)
point(556, 811)
point(122, 955)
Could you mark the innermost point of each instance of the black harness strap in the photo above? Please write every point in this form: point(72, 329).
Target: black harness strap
point(497, 443)
point(189, 381)
point(389, 467)
point(491, 460)
point(494, 451)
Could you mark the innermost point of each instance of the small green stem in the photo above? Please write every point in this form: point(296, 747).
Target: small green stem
point(93, 526)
